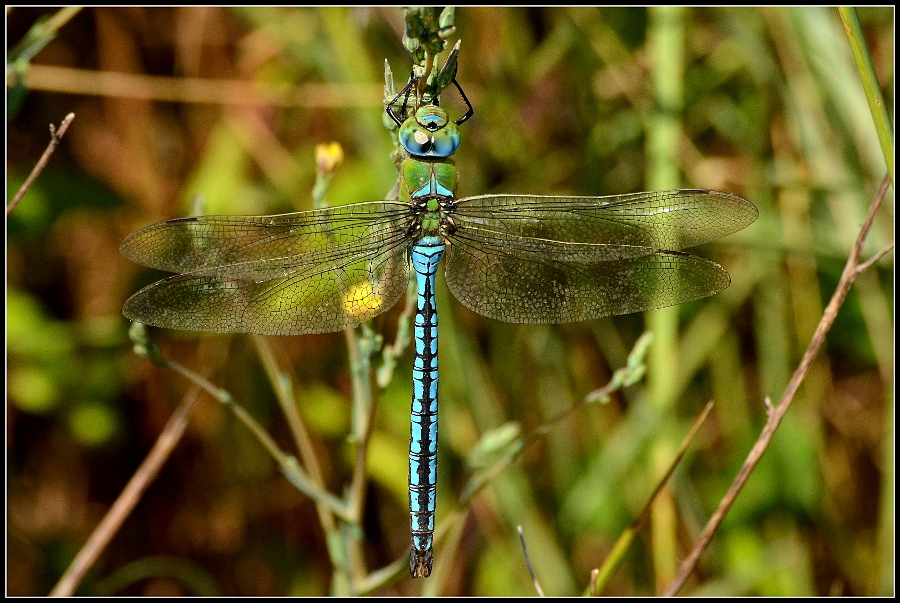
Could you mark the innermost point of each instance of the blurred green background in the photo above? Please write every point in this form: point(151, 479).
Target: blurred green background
point(771, 109)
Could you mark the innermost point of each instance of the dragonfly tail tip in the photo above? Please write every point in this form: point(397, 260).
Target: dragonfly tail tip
point(420, 563)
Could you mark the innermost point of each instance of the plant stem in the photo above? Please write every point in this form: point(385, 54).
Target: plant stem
point(866, 69)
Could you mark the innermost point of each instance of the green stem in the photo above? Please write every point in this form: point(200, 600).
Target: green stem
point(665, 39)
point(617, 553)
point(866, 69)
point(284, 393)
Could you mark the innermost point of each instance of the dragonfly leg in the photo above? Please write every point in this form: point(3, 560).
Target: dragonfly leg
point(405, 94)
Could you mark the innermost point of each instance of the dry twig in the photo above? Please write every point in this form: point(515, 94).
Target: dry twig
point(55, 137)
point(852, 270)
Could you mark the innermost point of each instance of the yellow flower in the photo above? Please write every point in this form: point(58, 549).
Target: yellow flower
point(329, 157)
point(362, 301)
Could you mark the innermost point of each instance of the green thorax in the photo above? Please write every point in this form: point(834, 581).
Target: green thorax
point(423, 178)
point(430, 184)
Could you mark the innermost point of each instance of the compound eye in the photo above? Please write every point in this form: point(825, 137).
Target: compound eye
point(414, 139)
point(446, 141)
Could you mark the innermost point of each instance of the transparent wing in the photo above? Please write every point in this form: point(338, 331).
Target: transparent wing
point(189, 244)
point(536, 288)
point(535, 259)
point(308, 272)
point(675, 219)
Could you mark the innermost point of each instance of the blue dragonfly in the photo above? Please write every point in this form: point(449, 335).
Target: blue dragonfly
point(514, 258)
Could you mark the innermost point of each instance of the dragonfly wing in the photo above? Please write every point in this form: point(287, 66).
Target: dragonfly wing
point(498, 280)
point(306, 273)
point(186, 245)
point(675, 219)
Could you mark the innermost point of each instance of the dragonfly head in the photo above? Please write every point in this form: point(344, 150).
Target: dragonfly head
point(430, 133)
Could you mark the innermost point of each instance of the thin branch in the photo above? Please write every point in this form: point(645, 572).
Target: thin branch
point(287, 463)
point(18, 60)
point(130, 495)
point(69, 80)
point(360, 348)
point(626, 376)
point(537, 585)
point(867, 264)
point(55, 137)
point(777, 413)
point(592, 590)
point(284, 393)
point(601, 577)
point(880, 115)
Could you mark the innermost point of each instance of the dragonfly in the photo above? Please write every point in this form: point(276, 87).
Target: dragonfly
point(514, 258)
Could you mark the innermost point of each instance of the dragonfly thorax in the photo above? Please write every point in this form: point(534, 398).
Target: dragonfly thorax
point(423, 177)
point(432, 222)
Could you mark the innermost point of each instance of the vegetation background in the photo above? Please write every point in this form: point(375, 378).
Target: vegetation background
point(771, 108)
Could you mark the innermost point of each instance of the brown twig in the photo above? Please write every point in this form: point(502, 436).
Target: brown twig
point(129, 497)
point(70, 80)
point(55, 137)
point(284, 393)
point(852, 270)
point(600, 577)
